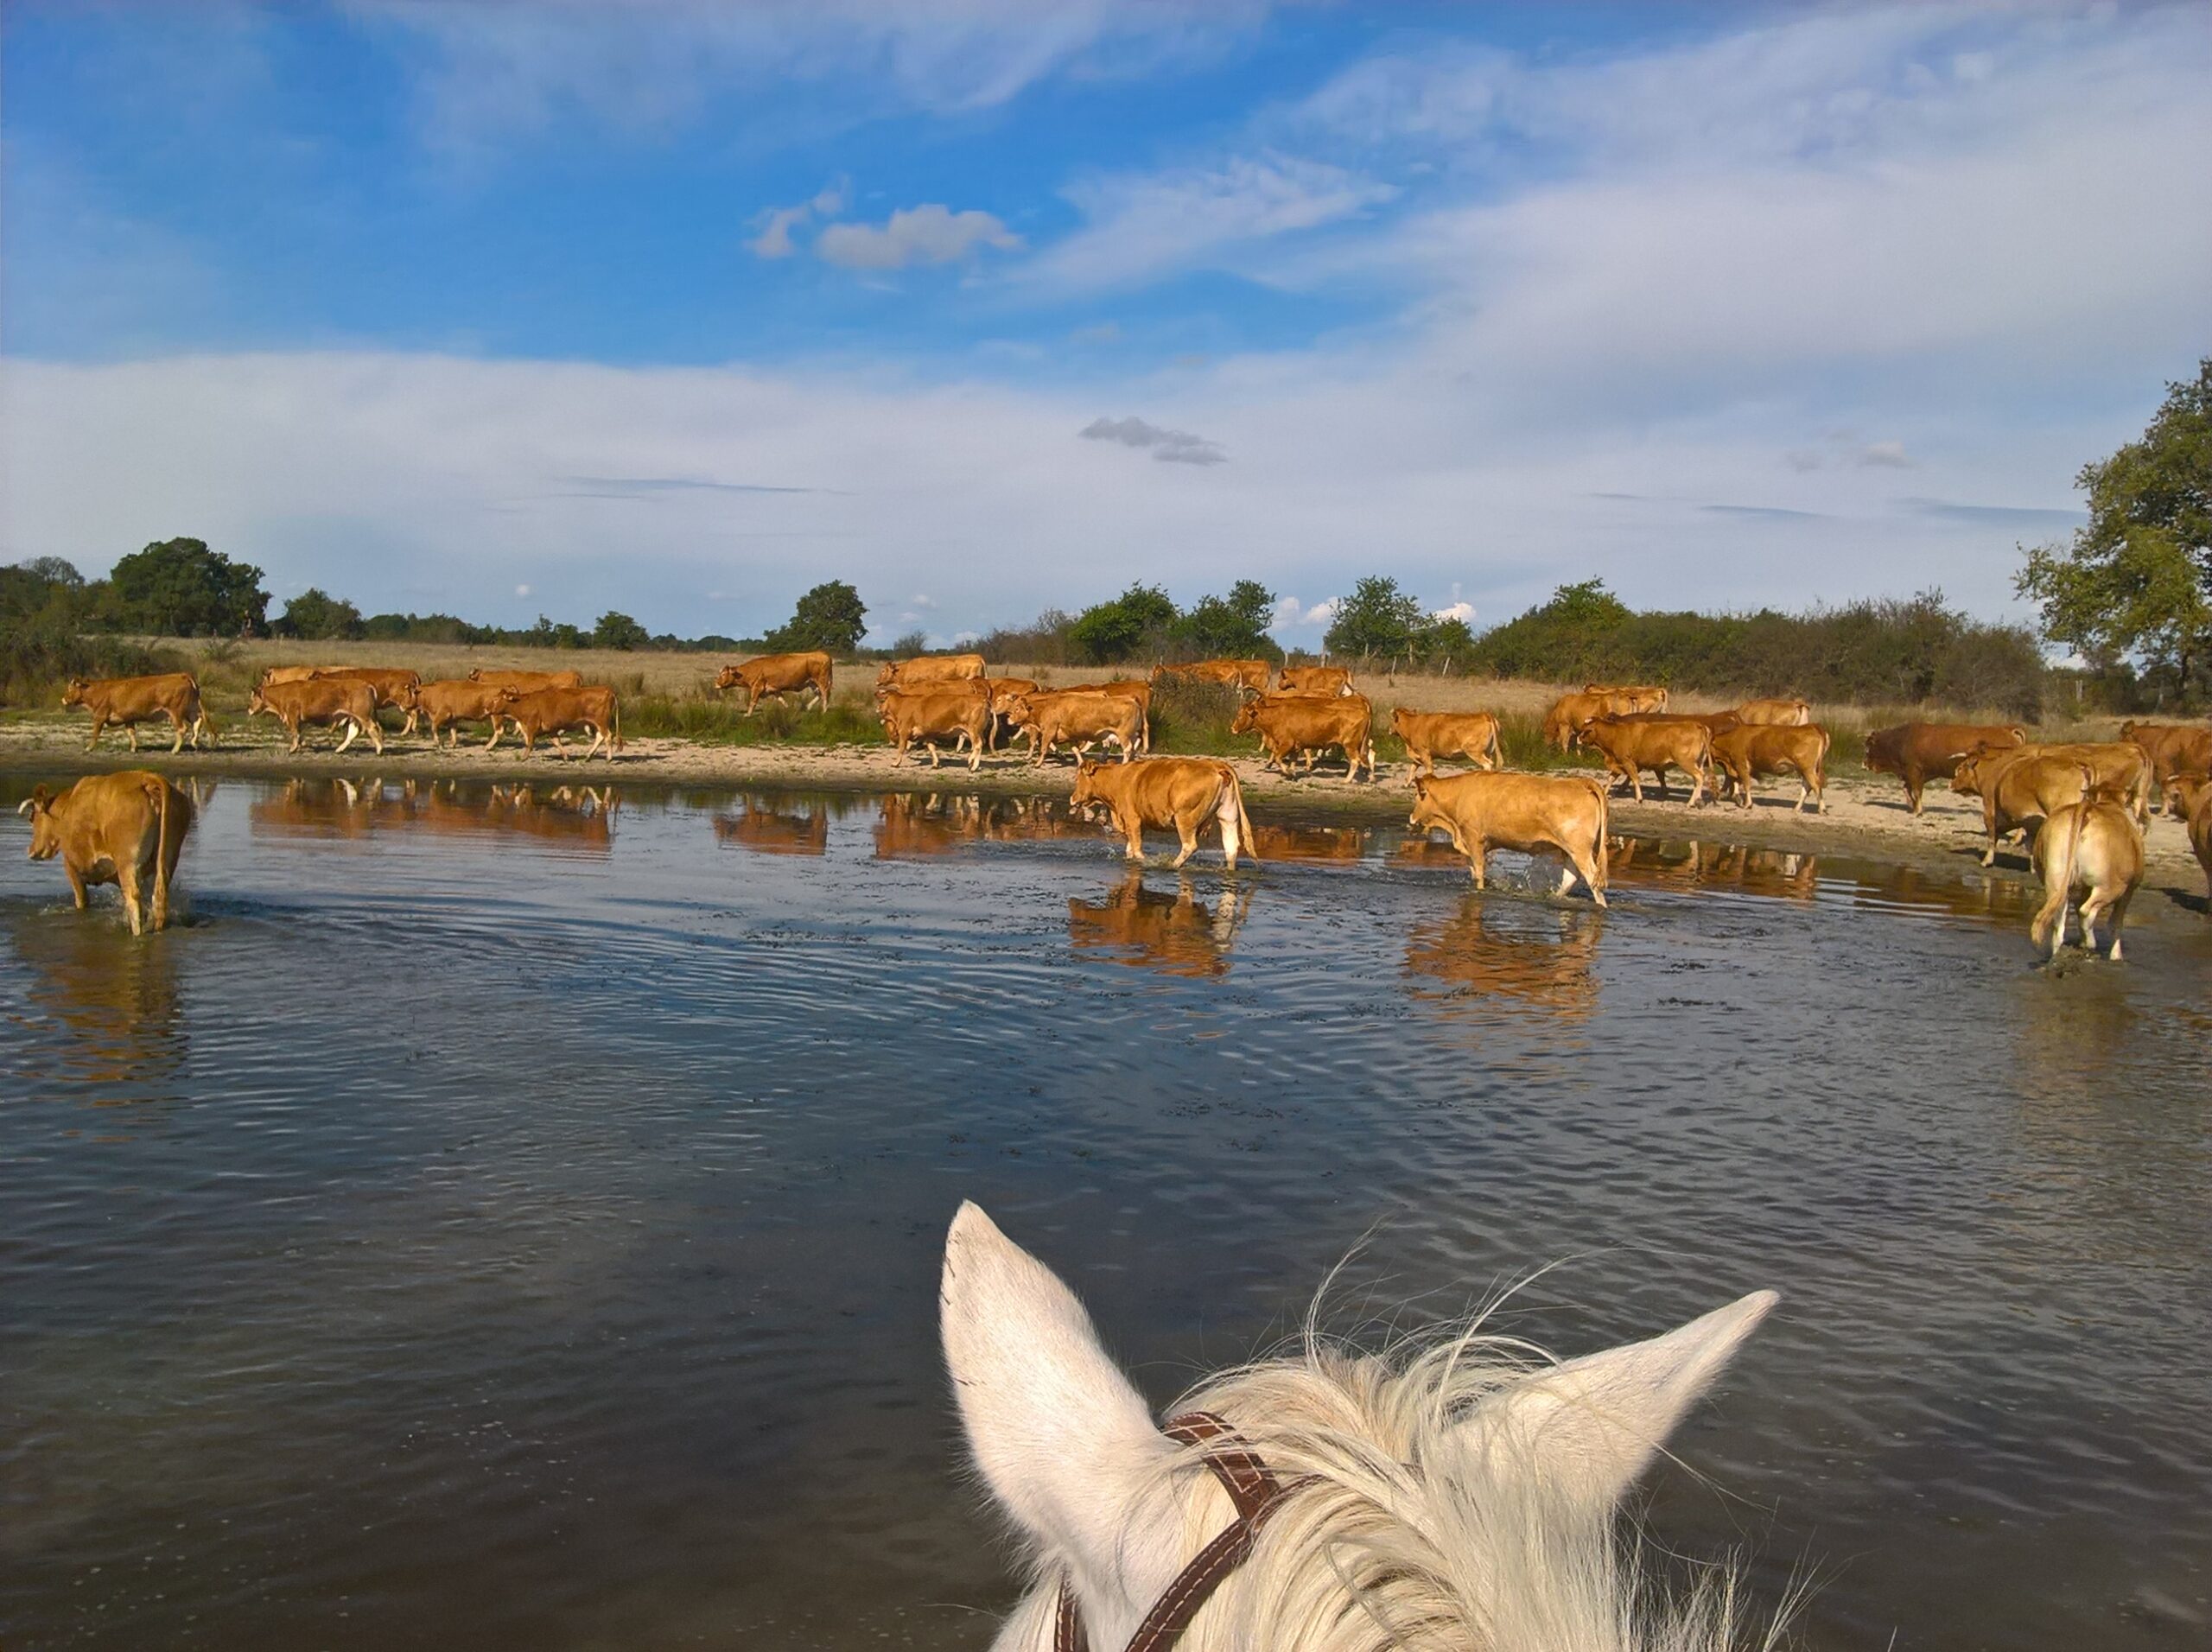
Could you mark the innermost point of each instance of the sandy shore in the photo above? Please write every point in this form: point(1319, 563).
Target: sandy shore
point(1865, 817)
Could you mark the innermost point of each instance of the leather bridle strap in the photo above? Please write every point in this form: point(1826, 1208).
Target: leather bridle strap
point(1251, 1487)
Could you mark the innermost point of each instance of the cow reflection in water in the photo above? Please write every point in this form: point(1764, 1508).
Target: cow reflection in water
point(910, 824)
point(115, 1001)
point(583, 816)
point(1150, 929)
point(767, 830)
point(1783, 872)
point(1308, 845)
point(1491, 949)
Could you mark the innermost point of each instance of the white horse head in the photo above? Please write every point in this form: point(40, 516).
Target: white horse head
point(1460, 1497)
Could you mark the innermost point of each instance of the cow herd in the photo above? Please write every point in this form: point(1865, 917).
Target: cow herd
point(2083, 807)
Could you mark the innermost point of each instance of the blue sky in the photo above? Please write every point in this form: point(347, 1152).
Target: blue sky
point(986, 306)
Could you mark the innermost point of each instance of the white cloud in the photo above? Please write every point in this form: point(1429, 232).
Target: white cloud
point(1463, 611)
point(1321, 614)
point(522, 590)
point(490, 75)
point(1886, 455)
point(776, 223)
point(1140, 225)
point(926, 234)
point(1177, 446)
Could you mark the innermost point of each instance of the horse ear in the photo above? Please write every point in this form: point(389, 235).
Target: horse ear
point(1063, 1441)
point(1587, 1428)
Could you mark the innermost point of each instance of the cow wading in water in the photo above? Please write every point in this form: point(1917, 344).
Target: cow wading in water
point(1184, 792)
point(1482, 811)
point(126, 828)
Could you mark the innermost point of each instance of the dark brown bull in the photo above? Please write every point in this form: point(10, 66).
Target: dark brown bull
point(1916, 752)
point(779, 674)
point(555, 711)
point(131, 701)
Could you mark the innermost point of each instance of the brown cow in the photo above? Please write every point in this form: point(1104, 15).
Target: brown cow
point(1916, 751)
point(527, 681)
point(450, 703)
point(2115, 767)
point(1628, 698)
point(777, 674)
point(126, 828)
point(133, 699)
point(1315, 679)
point(1518, 811)
point(2018, 789)
point(2193, 794)
point(2093, 841)
point(1629, 747)
point(540, 711)
point(928, 714)
point(1775, 713)
point(1245, 675)
point(1290, 723)
point(1430, 735)
point(1753, 749)
point(1184, 792)
point(394, 688)
point(1133, 688)
point(1572, 713)
point(926, 669)
point(1003, 690)
point(291, 674)
point(1078, 717)
point(2173, 748)
point(324, 701)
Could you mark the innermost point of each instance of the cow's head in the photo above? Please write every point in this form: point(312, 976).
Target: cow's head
point(1426, 812)
point(506, 698)
point(1017, 707)
point(730, 676)
point(46, 830)
point(1967, 778)
point(256, 703)
point(1247, 718)
point(75, 694)
point(1398, 722)
point(1086, 786)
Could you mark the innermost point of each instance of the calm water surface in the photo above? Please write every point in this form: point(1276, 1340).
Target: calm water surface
point(508, 1220)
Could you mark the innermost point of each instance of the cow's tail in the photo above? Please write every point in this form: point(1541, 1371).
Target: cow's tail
point(1243, 821)
point(1601, 851)
point(1496, 750)
point(2077, 825)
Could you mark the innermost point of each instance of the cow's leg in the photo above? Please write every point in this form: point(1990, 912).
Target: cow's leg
point(76, 883)
point(376, 733)
point(126, 879)
point(1913, 782)
point(1232, 836)
point(97, 725)
point(131, 729)
point(1187, 828)
point(2119, 921)
point(1478, 862)
point(353, 733)
point(293, 729)
point(177, 743)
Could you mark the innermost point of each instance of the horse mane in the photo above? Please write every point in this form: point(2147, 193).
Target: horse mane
point(1410, 1531)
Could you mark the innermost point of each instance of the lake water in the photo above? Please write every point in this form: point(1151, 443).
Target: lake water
point(506, 1220)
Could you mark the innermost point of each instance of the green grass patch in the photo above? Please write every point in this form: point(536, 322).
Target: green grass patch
point(715, 720)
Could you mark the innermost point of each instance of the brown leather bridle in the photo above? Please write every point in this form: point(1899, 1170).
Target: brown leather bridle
point(1251, 1487)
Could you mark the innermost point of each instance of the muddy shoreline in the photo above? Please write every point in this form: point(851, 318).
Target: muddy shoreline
point(1865, 818)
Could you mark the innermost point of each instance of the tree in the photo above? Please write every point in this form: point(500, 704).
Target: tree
point(55, 570)
point(2135, 585)
point(619, 631)
point(179, 588)
point(831, 617)
point(1377, 619)
point(1234, 626)
point(1110, 632)
point(319, 617)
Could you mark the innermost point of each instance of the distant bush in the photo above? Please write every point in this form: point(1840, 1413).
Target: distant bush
point(1194, 718)
point(716, 721)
